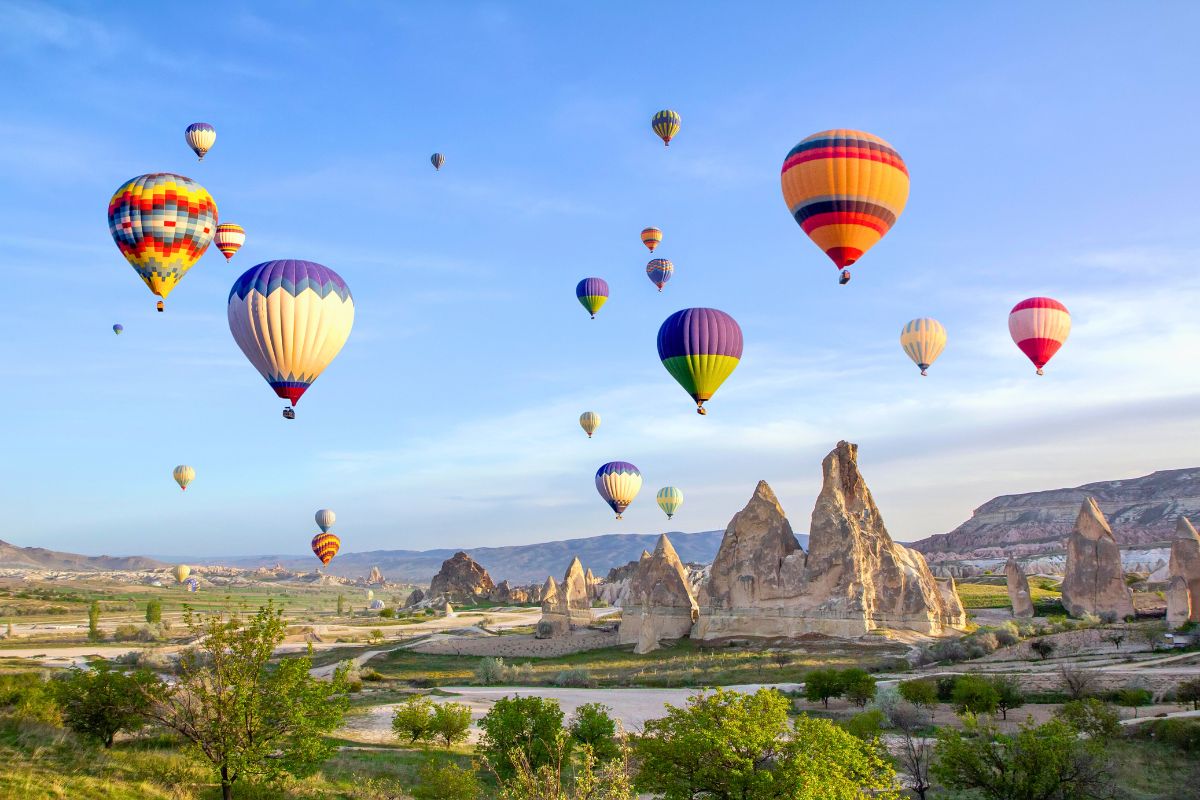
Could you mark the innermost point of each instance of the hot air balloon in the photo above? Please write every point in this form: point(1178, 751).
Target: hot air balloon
point(700, 347)
point(200, 137)
point(651, 237)
point(923, 339)
point(183, 475)
point(666, 125)
point(118, 328)
point(290, 318)
point(162, 224)
point(437, 159)
point(592, 294)
point(845, 189)
point(370, 594)
point(589, 421)
point(325, 546)
point(669, 500)
point(181, 571)
point(1039, 326)
point(618, 482)
point(229, 238)
point(192, 584)
point(660, 270)
point(325, 519)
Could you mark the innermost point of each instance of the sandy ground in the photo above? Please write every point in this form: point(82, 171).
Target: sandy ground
point(517, 645)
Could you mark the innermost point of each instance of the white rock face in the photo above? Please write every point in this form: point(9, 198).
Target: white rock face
point(565, 606)
point(1018, 590)
point(1095, 580)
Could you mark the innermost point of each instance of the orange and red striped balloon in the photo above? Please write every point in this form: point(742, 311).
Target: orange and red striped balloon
point(1039, 326)
point(325, 546)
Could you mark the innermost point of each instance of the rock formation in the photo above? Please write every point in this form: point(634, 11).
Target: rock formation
point(953, 613)
point(376, 577)
point(660, 603)
point(853, 579)
point(1183, 589)
point(461, 580)
point(565, 606)
point(1094, 581)
point(1018, 590)
point(592, 583)
point(514, 595)
point(413, 599)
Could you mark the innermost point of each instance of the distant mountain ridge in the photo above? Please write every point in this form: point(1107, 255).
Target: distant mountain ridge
point(14, 556)
point(1142, 511)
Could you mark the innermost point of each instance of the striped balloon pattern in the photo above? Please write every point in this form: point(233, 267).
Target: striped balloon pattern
point(700, 347)
point(325, 546)
point(923, 339)
point(229, 238)
point(618, 483)
point(669, 500)
point(290, 318)
point(589, 421)
point(437, 159)
point(666, 124)
point(183, 475)
point(162, 224)
point(592, 294)
point(1039, 326)
point(192, 584)
point(325, 519)
point(200, 136)
point(845, 189)
point(660, 270)
point(651, 237)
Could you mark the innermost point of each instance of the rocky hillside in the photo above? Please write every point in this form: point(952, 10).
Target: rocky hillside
point(1142, 511)
point(14, 557)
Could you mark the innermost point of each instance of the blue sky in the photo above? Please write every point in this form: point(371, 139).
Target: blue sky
point(1051, 149)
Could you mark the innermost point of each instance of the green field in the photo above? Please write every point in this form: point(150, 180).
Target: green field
point(992, 592)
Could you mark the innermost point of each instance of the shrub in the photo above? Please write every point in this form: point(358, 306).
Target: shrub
point(986, 641)
point(1094, 718)
point(154, 612)
point(489, 671)
point(387, 612)
point(974, 694)
point(1007, 634)
point(1189, 692)
point(446, 781)
point(1043, 647)
point(577, 677)
point(525, 728)
point(126, 633)
point(450, 722)
point(591, 725)
point(1181, 733)
point(1076, 682)
point(100, 702)
point(945, 688)
point(866, 725)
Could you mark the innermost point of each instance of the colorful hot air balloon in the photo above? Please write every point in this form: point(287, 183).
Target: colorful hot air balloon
point(923, 339)
point(437, 159)
point(651, 237)
point(325, 546)
point(669, 500)
point(700, 347)
point(666, 125)
point(183, 475)
point(162, 224)
point(290, 318)
point(325, 519)
point(200, 137)
point(592, 294)
point(660, 270)
point(618, 482)
point(118, 328)
point(229, 238)
point(845, 189)
point(181, 571)
point(589, 421)
point(1039, 326)
point(192, 584)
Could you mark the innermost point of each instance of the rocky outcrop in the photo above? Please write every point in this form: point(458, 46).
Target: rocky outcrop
point(854, 578)
point(1094, 581)
point(1018, 590)
point(1183, 588)
point(414, 599)
point(515, 595)
point(660, 603)
point(565, 606)
point(376, 577)
point(461, 580)
point(953, 612)
point(592, 583)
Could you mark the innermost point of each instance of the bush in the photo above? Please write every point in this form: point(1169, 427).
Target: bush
point(866, 725)
point(591, 725)
point(387, 612)
point(1007, 634)
point(100, 702)
point(1181, 733)
point(446, 781)
point(1094, 718)
point(1043, 647)
point(974, 694)
point(450, 722)
point(489, 671)
point(1189, 692)
point(154, 612)
point(28, 698)
point(522, 727)
point(945, 688)
point(577, 677)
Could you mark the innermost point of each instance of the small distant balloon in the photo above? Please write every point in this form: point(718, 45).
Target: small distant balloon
point(651, 237)
point(200, 137)
point(923, 339)
point(183, 475)
point(589, 421)
point(325, 519)
point(325, 546)
point(181, 571)
point(229, 238)
point(618, 483)
point(192, 584)
point(437, 159)
point(370, 594)
point(669, 500)
point(592, 294)
point(700, 347)
point(666, 124)
point(118, 329)
point(1039, 326)
point(660, 270)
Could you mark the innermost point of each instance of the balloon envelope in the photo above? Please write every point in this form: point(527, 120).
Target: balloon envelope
point(845, 189)
point(592, 294)
point(666, 124)
point(192, 584)
point(669, 500)
point(325, 519)
point(162, 224)
point(183, 475)
point(700, 347)
point(651, 237)
point(118, 328)
point(660, 270)
point(200, 136)
point(437, 159)
point(923, 339)
point(181, 571)
point(325, 546)
point(290, 318)
point(618, 482)
point(1039, 326)
point(589, 421)
point(229, 238)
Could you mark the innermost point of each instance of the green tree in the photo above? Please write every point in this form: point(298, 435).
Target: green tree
point(822, 684)
point(867, 725)
point(450, 722)
point(592, 725)
point(445, 780)
point(1134, 697)
point(974, 694)
point(1043, 761)
point(857, 686)
point(94, 634)
point(413, 718)
point(1189, 692)
point(1043, 647)
point(154, 612)
point(1008, 694)
point(100, 702)
point(341, 607)
point(1094, 718)
point(249, 719)
point(585, 779)
point(921, 692)
point(520, 728)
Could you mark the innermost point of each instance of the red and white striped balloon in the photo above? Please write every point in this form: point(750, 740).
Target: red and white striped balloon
point(1039, 326)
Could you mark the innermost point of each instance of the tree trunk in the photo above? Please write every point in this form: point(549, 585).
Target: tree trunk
point(226, 784)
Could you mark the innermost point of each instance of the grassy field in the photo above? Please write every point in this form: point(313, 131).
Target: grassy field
point(992, 592)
